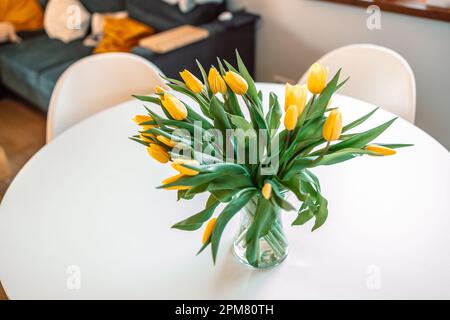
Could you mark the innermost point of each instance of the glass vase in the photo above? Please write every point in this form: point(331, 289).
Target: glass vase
point(271, 249)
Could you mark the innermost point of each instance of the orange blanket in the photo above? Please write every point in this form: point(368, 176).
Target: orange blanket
point(22, 14)
point(122, 35)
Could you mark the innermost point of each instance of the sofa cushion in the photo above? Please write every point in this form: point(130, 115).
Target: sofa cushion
point(163, 16)
point(22, 65)
point(47, 81)
point(104, 5)
point(99, 5)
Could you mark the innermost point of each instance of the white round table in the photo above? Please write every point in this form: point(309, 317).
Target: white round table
point(83, 220)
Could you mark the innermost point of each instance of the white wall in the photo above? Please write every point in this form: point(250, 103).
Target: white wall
point(294, 33)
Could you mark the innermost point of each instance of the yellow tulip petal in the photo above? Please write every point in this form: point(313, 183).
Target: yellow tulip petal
point(216, 82)
point(159, 89)
point(173, 179)
point(295, 95)
point(178, 165)
point(291, 118)
point(332, 128)
point(142, 119)
point(208, 230)
point(191, 81)
point(267, 191)
point(317, 78)
point(383, 151)
point(168, 142)
point(236, 83)
point(174, 106)
point(146, 137)
point(158, 153)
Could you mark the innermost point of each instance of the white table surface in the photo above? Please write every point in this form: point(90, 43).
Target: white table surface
point(88, 200)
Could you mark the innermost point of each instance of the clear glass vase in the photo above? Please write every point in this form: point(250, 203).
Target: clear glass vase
point(271, 249)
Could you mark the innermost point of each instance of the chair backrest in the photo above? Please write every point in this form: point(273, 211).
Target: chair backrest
point(96, 83)
point(378, 75)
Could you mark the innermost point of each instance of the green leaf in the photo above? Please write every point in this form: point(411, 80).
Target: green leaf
point(252, 92)
point(148, 99)
point(230, 182)
point(293, 184)
point(191, 180)
point(261, 225)
point(359, 121)
point(342, 83)
point(341, 156)
point(278, 197)
point(322, 213)
point(228, 212)
point(224, 196)
point(139, 141)
point(395, 145)
point(221, 121)
point(196, 221)
point(274, 114)
point(240, 123)
point(204, 76)
point(362, 139)
point(224, 168)
point(303, 217)
point(307, 176)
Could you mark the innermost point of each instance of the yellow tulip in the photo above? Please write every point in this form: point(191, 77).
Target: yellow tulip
point(267, 191)
point(332, 128)
point(178, 165)
point(236, 82)
point(174, 106)
point(317, 78)
point(209, 230)
point(173, 179)
point(146, 137)
point(142, 119)
point(158, 153)
point(168, 142)
point(382, 151)
point(192, 82)
point(291, 118)
point(216, 82)
point(159, 89)
point(295, 95)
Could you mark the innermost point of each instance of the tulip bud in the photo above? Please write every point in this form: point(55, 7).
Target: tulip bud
point(142, 119)
point(192, 82)
point(178, 165)
point(332, 128)
point(158, 153)
point(382, 151)
point(209, 230)
point(174, 106)
point(168, 142)
point(146, 137)
point(216, 82)
point(236, 82)
point(291, 118)
point(295, 95)
point(159, 90)
point(317, 78)
point(267, 191)
point(173, 179)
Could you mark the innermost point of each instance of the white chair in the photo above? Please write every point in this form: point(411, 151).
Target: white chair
point(96, 83)
point(378, 75)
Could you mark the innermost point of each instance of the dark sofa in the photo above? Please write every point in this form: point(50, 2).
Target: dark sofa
point(31, 69)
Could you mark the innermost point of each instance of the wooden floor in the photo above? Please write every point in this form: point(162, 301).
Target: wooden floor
point(22, 133)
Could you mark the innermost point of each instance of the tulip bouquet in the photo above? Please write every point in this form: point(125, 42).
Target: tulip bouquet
point(245, 159)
